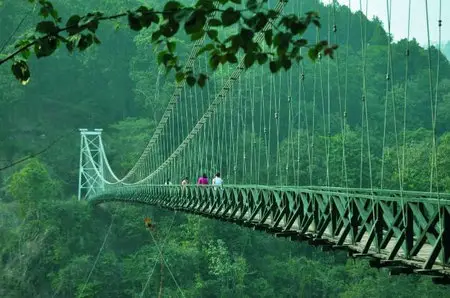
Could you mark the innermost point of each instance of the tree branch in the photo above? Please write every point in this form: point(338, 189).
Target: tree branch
point(30, 44)
point(116, 16)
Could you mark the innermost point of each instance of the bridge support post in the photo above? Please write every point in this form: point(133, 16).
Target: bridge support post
point(408, 230)
point(378, 225)
point(354, 221)
point(91, 163)
point(445, 235)
point(334, 216)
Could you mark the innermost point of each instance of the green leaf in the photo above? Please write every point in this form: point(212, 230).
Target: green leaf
point(236, 43)
point(197, 35)
point(190, 80)
point(70, 45)
point(230, 16)
point(295, 51)
point(171, 46)
point(182, 14)
point(143, 9)
point(261, 21)
point(170, 28)
point(214, 23)
point(317, 23)
point(89, 18)
point(268, 37)
point(202, 80)
point(179, 76)
point(206, 48)
point(45, 46)
point(148, 17)
point(282, 42)
point(47, 9)
point(161, 56)
point(298, 58)
point(96, 40)
point(72, 25)
point(298, 27)
point(85, 42)
point(231, 58)
point(195, 22)
point(21, 71)
point(44, 12)
point(154, 17)
point(262, 58)
point(168, 59)
point(329, 52)
point(54, 15)
point(246, 35)
point(156, 35)
point(134, 22)
point(272, 14)
point(92, 26)
point(277, 39)
point(172, 6)
point(313, 53)
point(274, 66)
point(214, 61)
point(252, 5)
point(223, 59)
point(205, 4)
point(237, 1)
point(301, 43)
point(46, 27)
point(26, 54)
point(286, 64)
point(213, 34)
point(249, 59)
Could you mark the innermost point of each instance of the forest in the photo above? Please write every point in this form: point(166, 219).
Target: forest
point(52, 245)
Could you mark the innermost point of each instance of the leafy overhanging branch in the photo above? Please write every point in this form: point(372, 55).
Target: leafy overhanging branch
point(284, 38)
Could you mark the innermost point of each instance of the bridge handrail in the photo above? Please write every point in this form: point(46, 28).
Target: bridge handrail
point(388, 195)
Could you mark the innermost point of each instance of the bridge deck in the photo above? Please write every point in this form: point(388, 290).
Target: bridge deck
point(408, 230)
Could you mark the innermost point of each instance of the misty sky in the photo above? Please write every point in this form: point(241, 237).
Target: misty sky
point(399, 17)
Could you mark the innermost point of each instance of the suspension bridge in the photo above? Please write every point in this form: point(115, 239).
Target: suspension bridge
point(285, 148)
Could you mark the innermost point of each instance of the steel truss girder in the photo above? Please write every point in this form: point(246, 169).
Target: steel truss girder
point(393, 227)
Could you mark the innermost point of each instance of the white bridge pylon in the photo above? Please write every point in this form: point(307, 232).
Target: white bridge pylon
point(95, 173)
point(92, 157)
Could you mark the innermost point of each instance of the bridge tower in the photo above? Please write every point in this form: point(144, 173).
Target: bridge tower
point(91, 163)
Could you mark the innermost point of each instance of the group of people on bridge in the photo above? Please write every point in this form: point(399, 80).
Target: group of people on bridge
point(202, 180)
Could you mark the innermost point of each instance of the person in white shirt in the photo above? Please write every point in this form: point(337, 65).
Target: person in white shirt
point(184, 182)
point(217, 181)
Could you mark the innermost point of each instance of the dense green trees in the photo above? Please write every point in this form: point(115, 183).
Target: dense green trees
point(446, 50)
point(31, 186)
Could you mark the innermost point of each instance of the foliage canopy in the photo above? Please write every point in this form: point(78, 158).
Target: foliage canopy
point(283, 35)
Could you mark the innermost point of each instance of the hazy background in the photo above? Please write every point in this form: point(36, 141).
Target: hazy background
point(399, 17)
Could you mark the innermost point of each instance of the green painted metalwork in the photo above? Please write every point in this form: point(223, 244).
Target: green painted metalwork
point(406, 230)
point(371, 222)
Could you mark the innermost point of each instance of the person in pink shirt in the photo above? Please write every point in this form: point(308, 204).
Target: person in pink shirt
point(203, 180)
